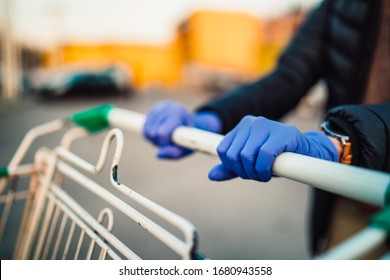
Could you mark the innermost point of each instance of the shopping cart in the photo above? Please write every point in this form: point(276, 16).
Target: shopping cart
point(52, 224)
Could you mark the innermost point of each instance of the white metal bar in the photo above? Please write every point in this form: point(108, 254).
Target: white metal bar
point(81, 163)
point(21, 170)
point(33, 134)
point(17, 196)
point(27, 211)
point(60, 235)
point(71, 135)
point(170, 240)
point(127, 120)
point(26, 143)
point(182, 224)
point(90, 250)
point(82, 225)
point(23, 225)
point(354, 182)
point(81, 240)
point(10, 198)
point(13, 195)
point(69, 239)
point(86, 228)
point(106, 212)
point(44, 229)
point(38, 207)
point(91, 221)
point(103, 254)
point(50, 236)
point(356, 246)
point(110, 216)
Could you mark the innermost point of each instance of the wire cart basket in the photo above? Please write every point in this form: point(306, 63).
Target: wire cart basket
point(46, 222)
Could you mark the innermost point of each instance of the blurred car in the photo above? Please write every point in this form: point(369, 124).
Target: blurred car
point(81, 80)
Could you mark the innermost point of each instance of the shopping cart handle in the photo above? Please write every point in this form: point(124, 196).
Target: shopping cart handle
point(3, 172)
point(94, 119)
point(366, 185)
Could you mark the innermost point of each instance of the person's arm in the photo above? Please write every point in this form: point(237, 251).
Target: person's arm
point(368, 127)
point(298, 69)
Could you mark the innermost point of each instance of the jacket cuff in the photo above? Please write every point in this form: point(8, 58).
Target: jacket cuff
point(368, 130)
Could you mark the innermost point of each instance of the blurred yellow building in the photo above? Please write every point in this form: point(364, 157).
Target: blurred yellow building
point(234, 44)
point(151, 64)
point(223, 39)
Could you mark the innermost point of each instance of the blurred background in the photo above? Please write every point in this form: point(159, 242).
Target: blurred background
point(62, 56)
point(168, 44)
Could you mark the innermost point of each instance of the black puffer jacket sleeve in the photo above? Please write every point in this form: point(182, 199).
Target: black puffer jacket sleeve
point(368, 126)
point(299, 67)
point(369, 129)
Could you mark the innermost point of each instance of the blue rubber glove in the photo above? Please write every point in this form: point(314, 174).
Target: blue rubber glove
point(250, 149)
point(165, 117)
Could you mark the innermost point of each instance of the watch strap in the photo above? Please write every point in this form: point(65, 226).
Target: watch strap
point(346, 154)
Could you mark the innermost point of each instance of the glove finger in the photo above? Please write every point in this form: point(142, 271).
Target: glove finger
point(224, 145)
point(220, 173)
point(249, 154)
point(233, 154)
point(267, 155)
point(158, 123)
point(165, 128)
point(153, 118)
point(172, 152)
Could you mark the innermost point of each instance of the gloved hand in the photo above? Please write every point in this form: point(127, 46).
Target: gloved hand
point(250, 149)
point(165, 117)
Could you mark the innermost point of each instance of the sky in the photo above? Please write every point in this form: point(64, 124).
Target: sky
point(45, 23)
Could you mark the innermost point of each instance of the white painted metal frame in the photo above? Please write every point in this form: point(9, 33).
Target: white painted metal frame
point(51, 209)
point(357, 246)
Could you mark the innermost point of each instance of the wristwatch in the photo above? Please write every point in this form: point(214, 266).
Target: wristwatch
point(335, 132)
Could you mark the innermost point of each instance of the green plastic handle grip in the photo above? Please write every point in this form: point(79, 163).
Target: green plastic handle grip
point(94, 119)
point(4, 172)
point(382, 219)
point(387, 195)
